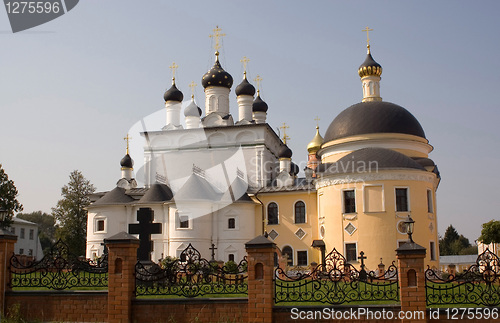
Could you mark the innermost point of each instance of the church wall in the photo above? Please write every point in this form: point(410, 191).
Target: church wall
point(287, 228)
point(116, 219)
point(377, 233)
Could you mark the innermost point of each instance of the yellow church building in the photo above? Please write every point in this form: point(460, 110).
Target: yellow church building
point(364, 177)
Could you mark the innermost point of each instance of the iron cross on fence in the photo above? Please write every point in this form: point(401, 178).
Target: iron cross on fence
point(362, 273)
point(145, 228)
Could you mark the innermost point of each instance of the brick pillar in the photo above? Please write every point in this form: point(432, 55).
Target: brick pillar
point(7, 242)
point(411, 274)
point(122, 257)
point(260, 279)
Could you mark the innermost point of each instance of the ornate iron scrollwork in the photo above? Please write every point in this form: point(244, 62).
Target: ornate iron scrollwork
point(190, 275)
point(336, 282)
point(59, 270)
point(478, 285)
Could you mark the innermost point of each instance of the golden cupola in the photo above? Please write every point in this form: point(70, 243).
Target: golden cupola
point(315, 143)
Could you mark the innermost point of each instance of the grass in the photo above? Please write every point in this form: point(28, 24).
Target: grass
point(58, 281)
point(451, 294)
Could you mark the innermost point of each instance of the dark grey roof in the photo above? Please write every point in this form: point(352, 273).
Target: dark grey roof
point(369, 160)
point(217, 76)
point(245, 88)
point(157, 193)
point(426, 162)
point(259, 105)
point(115, 196)
point(127, 161)
point(173, 94)
point(373, 117)
point(197, 188)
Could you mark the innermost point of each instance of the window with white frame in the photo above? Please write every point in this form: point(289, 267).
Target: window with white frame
point(272, 213)
point(351, 251)
point(402, 204)
point(21, 234)
point(430, 205)
point(302, 258)
point(100, 224)
point(300, 212)
point(231, 223)
point(349, 197)
point(32, 234)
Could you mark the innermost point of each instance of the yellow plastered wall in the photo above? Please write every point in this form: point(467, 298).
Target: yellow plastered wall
point(286, 228)
point(376, 232)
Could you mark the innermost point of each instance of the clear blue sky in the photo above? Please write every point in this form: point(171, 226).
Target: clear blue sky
point(71, 88)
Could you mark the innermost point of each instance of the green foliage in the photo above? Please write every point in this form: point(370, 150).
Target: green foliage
point(231, 267)
point(71, 214)
point(8, 200)
point(170, 263)
point(452, 243)
point(47, 227)
point(490, 232)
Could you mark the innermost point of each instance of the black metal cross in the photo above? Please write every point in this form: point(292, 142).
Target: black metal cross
point(362, 274)
point(145, 228)
point(362, 258)
point(213, 251)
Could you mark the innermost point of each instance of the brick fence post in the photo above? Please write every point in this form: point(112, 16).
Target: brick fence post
point(7, 242)
point(260, 279)
point(411, 274)
point(122, 257)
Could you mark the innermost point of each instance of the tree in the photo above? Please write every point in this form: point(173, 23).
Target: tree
point(71, 214)
point(452, 243)
point(8, 200)
point(490, 232)
point(47, 227)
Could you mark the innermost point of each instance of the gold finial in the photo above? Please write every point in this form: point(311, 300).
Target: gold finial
point(257, 81)
point(127, 138)
point(218, 37)
point(285, 136)
point(245, 61)
point(192, 85)
point(173, 68)
point(317, 122)
point(367, 37)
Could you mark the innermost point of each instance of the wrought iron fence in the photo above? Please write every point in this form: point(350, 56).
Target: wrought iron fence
point(191, 276)
point(478, 285)
point(59, 270)
point(336, 282)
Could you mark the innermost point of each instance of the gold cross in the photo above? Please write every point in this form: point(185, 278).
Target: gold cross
point(367, 36)
point(217, 36)
point(192, 85)
point(245, 61)
point(173, 68)
point(257, 81)
point(317, 121)
point(127, 138)
point(285, 136)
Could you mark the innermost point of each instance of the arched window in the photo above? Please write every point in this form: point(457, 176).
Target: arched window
point(289, 254)
point(272, 213)
point(300, 212)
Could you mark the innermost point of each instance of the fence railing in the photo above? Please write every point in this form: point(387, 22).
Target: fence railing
point(58, 270)
point(190, 275)
point(478, 285)
point(336, 282)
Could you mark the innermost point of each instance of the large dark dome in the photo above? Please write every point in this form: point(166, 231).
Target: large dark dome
point(373, 117)
point(217, 76)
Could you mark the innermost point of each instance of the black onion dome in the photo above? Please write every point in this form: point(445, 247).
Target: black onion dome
point(259, 105)
point(173, 94)
point(192, 110)
point(127, 161)
point(373, 117)
point(369, 67)
point(245, 88)
point(294, 169)
point(217, 76)
point(284, 152)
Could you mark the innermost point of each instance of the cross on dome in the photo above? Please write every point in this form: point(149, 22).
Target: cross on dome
point(257, 81)
point(245, 61)
point(127, 138)
point(192, 85)
point(217, 36)
point(173, 68)
point(285, 136)
point(367, 37)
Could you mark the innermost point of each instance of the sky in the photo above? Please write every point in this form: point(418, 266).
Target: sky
point(72, 88)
